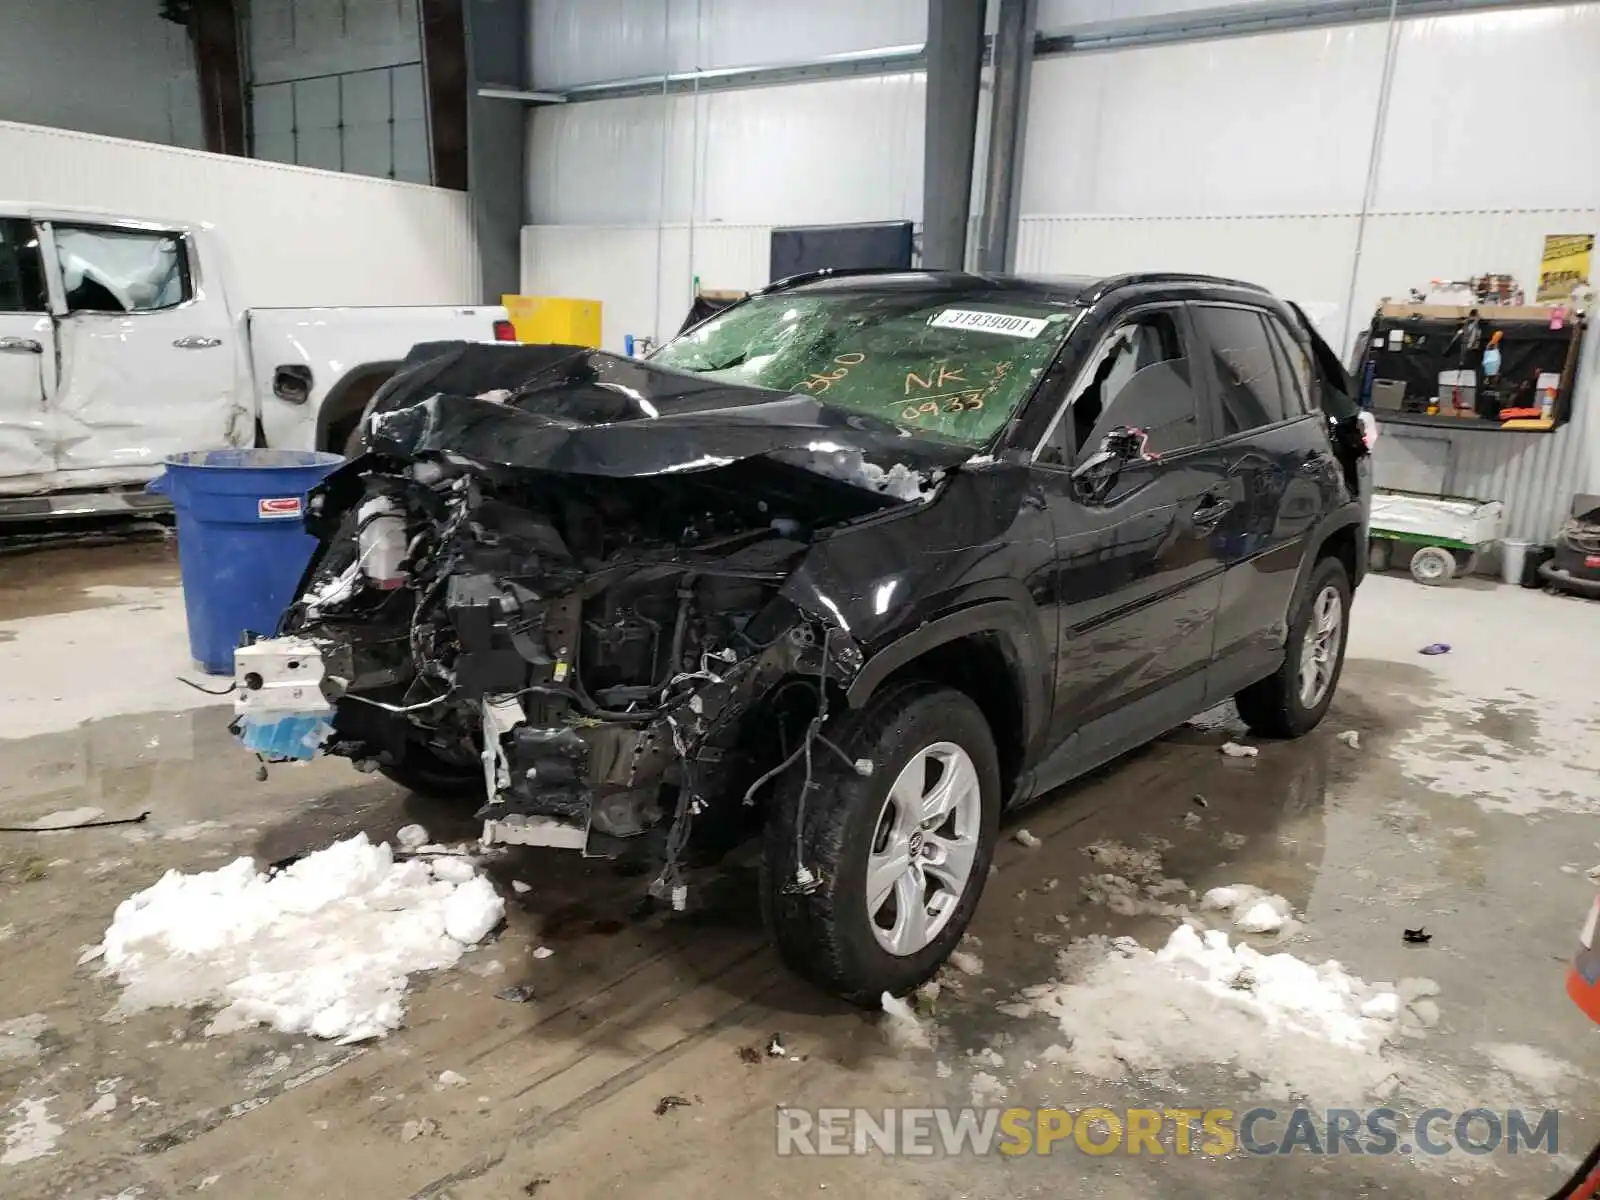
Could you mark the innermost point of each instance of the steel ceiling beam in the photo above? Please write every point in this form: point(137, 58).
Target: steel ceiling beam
point(1196, 25)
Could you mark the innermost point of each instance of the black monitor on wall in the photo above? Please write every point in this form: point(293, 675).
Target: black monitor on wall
point(803, 248)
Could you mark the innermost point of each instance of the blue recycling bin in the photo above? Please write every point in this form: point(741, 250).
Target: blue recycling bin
point(242, 544)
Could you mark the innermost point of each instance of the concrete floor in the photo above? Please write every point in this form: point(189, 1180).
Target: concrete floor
point(1470, 807)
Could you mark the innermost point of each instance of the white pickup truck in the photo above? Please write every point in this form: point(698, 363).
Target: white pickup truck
point(119, 345)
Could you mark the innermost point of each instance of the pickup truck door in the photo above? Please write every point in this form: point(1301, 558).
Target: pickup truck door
point(148, 355)
point(27, 356)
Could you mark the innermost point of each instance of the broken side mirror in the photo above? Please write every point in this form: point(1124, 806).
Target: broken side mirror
point(1094, 476)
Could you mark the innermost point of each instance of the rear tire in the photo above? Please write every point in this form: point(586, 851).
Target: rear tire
point(889, 832)
point(1292, 700)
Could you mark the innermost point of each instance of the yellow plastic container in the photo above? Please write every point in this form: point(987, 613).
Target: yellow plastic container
point(554, 320)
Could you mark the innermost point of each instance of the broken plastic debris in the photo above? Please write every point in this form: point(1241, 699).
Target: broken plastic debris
point(901, 1025)
point(412, 837)
point(1198, 800)
point(1435, 648)
point(412, 1130)
point(667, 1103)
point(543, 952)
point(1417, 937)
point(775, 1047)
point(1351, 738)
point(1235, 750)
point(1024, 838)
point(967, 964)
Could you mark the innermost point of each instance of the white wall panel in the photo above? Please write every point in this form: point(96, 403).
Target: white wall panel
point(814, 153)
point(1276, 123)
point(103, 66)
point(1305, 259)
point(583, 41)
point(643, 276)
point(1494, 110)
point(296, 236)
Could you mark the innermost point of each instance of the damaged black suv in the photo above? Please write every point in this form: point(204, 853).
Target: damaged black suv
point(855, 563)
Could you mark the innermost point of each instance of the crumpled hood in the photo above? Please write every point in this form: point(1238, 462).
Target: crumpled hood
point(581, 411)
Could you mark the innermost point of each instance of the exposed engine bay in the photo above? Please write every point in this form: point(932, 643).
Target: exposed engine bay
point(601, 636)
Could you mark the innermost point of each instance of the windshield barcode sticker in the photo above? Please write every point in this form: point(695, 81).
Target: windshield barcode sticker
point(1006, 324)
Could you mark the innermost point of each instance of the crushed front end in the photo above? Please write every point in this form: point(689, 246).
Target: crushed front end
point(589, 633)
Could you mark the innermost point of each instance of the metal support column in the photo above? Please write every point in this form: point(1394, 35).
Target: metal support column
point(1008, 124)
point(955, 65)
point(497, 141)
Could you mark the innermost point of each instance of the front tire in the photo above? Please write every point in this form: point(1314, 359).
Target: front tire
point(899, 857)
point(1292, 700)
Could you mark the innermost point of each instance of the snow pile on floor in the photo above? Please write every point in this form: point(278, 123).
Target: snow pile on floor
point(1253, 909)
point(323, 947)
point(32, 1132)
point(1306, 1031)
point(1131, 882)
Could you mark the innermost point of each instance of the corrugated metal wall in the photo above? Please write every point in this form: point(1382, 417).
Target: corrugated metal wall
point(296, 236)
point(102, 66)
point(337, 84)
point(581, 41)
point(811, 153)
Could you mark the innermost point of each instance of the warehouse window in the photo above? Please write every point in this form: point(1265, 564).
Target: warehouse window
point(21, 276)
point(1247, 375)
point(121, 270)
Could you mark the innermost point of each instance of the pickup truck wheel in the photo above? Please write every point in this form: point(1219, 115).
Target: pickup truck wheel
point(425, 773)
point(897, 859)
point(1292, 700)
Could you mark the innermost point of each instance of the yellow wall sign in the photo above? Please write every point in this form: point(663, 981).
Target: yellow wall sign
point(1564, 265)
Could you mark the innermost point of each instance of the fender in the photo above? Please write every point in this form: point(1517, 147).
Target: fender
point(1346, 516)
point(1002, 619)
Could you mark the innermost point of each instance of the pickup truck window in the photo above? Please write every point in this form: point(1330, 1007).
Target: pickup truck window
point(953, 364)
point(21, 275)
point(122, 270)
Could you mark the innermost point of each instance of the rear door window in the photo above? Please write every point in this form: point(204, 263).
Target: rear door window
point(21, 272)
point(1138, 378)
point(1248, 383)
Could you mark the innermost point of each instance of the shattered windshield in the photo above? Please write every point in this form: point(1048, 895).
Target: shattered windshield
point(954, 364)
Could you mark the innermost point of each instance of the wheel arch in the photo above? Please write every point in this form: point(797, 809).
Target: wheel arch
point(989, 653)
point(342, 407)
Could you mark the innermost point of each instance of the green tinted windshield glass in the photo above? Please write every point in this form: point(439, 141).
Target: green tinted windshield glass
point(953, 364)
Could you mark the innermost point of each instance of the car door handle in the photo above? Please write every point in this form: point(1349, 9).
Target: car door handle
point(16, 345)
point(194, 342)
point(1211, 509)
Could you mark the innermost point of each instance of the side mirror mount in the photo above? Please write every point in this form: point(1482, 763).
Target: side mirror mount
point(1095, 475)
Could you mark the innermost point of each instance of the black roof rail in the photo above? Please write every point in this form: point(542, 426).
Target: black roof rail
point(1112, 282)
point(792, 281)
